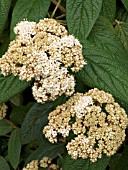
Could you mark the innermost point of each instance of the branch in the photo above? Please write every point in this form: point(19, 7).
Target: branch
point(60, 6)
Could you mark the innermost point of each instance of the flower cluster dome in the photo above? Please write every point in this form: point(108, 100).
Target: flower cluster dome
point(44, 52)
point(97, 122)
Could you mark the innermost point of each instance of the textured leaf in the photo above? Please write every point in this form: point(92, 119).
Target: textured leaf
point(3, 47)
point(3, 145)
point(81, 16)
point(33, 10)
point(125, 106)
point(4, 10)
point(60, 100)
point(122, 15)
point(71, 164)
point(85, 164)
point(47, 149)
point(3, 164)
point(108, 9)
point(101, 164)
point(17, 100)
point(103, 35)
point(11, 86)
point(18, 113)
point(5, 127)
point(4, 42)
point(34, 122)
point(107, 61)
point(105, 72)
point(122, 32)
point(114, 160)
point(125, 2)
point(14, 147)
point(123, 161)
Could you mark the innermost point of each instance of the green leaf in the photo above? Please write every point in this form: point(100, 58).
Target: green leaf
point(108, 9)
point(81, 16)
point(122, 32)
point(124, 105)
point(11, 86)
point(85, 164)
point(18, 113)
point(125, 2)
point(33, 10)
point(123, 161)
point(107, 61)
point(14, 147)
point(4, 11)
point(3, 145)
point(3, 164)
point(4, 42)
point(34, 122)
point(122, 15)
point(104, 72)
point(17, 100)
point(114, 160)
point(103, 36)
point(47, 149)
point(100, 164)
point(26, 152)
point(80, 86)
point(4, 47)
point(5, 127)
point(59, 101)
point(71, 164)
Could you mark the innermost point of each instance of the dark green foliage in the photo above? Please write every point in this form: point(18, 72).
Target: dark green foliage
point(102, 28)
point(5, 127)
point(11, 86)
point(19, 112)
point(122, 163)
point(122, 15)
point(108, 9)
point(71, 164)
point(4, 12)
point(122, 32)
point(47, 149)
point(114, 160)
point(101, 164)
point(104, 72)
point(33, 10)
point(34, 122)
point(14, 147)
point(3, 164)
point(84, 164)
point(81, 16)
point(125, 2)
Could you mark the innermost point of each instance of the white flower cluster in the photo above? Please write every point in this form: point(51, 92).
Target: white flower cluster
point(32, 165)
point(44, 163)
point(44, 51)
point(98, 124)
point(25, 29)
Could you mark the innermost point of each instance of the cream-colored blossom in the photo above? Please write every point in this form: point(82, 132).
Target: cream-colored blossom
point(51, 26)
point(3, 110)
point(25, 29)
point(53, 86)
point(45, 162)
point(98, 124)
point(32, 165)
point(44, 52)
point(53, 167)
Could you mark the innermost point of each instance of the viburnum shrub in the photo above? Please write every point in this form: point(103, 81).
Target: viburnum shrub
point(63, 85)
